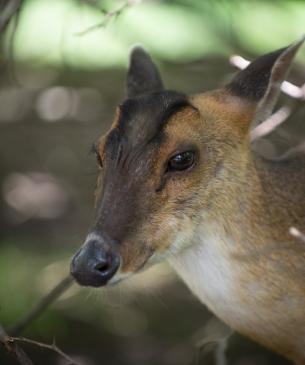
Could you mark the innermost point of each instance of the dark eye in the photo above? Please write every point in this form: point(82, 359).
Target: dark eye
point(181, 161)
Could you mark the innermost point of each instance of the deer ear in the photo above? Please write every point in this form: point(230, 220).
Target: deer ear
point(143, 76)
point(261, 81)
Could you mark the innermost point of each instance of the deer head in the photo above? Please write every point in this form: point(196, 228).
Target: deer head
point(171, 162)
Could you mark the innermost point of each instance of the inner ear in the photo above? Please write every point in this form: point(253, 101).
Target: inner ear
point(143, 76)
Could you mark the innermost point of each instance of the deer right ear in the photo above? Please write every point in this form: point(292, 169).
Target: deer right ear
point(143, 76)
point(260, 82)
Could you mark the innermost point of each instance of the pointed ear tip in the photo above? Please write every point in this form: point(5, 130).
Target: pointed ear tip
point(298, 43)
point(138, 50)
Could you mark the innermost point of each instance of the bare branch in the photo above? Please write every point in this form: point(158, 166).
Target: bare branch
point(52, 347)
point(13, 349)
point(108, 16)
point(10, 342)
point(42, 305)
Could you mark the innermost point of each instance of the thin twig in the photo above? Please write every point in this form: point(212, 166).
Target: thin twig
point(276, 119)
point(47, 346)
point(297, 234)
point(13, 349)
point(108, 16)
point(280, 116)
point(292, 152)
point(271, 123)
point(42, 305)
point(7, 13)
point(11, 45)
point(287, 87)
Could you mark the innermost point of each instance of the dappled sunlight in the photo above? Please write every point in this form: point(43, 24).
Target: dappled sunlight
point(55, 103)
point(60, 30)
point(59, 103)
point(34, 195)
point(63, 76)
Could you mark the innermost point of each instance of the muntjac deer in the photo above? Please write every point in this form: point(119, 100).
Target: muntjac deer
point(178, 181)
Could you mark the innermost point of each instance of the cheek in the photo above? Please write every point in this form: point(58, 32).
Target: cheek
point(134, 256)
point(159, 239)
point(172, 235)
point(141, 245)
point(165, 228)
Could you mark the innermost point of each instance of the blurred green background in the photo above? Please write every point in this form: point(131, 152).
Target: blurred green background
point(62, 72)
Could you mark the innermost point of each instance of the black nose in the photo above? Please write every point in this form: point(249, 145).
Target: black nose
point(94, 264)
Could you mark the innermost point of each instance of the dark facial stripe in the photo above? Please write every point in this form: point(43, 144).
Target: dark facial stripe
point(150, 112)
point(128, 156)
point(141, 122)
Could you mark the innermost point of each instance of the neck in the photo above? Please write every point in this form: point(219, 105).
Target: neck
point(241, 254)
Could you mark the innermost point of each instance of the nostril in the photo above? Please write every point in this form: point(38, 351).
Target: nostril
point(103, 266)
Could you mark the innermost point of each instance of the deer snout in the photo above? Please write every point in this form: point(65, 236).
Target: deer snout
point(95, 263)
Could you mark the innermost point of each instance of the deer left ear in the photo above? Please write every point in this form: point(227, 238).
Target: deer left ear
point(143, 76)
point(261, 81)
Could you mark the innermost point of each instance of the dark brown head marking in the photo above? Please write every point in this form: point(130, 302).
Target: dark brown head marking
point(128, 156)
point(143, 118)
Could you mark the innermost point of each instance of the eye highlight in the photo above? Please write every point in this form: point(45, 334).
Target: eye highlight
point(181, 161)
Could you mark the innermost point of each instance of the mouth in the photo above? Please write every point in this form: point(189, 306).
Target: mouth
point(119, 277)
point(97, 264)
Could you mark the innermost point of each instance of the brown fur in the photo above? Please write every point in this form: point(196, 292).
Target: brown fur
point(230, 182)
point(152, 213)
point(265, 200)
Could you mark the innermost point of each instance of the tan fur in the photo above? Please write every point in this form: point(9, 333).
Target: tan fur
point(221, 217)
point(240, 205)
point(254, 202)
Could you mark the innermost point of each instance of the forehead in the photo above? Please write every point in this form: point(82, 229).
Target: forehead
point(141, 119)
